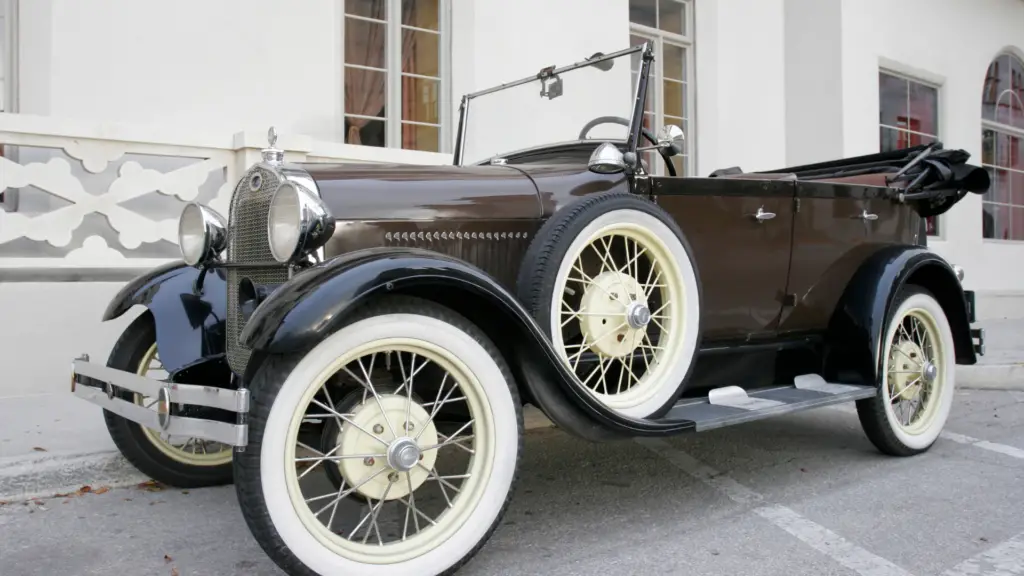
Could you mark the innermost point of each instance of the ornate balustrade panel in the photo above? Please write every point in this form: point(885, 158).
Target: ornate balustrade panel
point(81, 200)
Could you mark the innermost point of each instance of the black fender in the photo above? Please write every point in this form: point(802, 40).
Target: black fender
point(855, 334)
point(316, 302)
point(190, 325)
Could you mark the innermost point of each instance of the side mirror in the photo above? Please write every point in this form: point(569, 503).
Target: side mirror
point(671, 137)
point(606, 159)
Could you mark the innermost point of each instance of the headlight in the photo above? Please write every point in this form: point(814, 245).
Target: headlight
point(298, 222)
point(202, 234)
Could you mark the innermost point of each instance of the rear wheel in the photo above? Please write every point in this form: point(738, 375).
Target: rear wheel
point(176, 461)
point(919, 373)
point(391, 447)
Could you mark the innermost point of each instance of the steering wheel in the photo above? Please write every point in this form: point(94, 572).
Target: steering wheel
point(643, 131)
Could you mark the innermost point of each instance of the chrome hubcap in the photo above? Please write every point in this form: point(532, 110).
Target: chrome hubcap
point(403, 454)
point(638, 315)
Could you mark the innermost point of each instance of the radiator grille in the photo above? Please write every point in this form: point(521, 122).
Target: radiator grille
point(248, 244)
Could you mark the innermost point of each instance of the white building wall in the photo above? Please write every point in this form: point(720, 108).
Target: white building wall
point(949, 43)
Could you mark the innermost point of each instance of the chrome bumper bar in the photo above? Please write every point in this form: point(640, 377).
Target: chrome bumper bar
point(166, 393)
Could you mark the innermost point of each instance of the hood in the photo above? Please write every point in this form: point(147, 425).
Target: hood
point(413, 192)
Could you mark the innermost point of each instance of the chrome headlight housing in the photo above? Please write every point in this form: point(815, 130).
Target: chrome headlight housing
point(202, 234)
point(298, 222)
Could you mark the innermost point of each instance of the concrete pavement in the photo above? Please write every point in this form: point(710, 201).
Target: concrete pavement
point(803, 494)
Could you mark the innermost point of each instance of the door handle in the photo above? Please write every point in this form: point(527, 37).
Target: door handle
point(866, 216)
point(761, 215)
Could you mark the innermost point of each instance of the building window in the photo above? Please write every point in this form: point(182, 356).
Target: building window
point(395, 83)
point(1002, 131)
point(669, 25)
point(909, 116)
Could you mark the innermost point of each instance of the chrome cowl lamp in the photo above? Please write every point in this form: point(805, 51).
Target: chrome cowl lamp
point(202, 234)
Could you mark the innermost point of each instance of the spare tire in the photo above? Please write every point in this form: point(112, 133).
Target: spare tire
point(612, 281)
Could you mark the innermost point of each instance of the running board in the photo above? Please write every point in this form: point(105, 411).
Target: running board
point(734, 405)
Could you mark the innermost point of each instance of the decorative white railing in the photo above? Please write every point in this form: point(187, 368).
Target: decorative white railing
point(83, 199)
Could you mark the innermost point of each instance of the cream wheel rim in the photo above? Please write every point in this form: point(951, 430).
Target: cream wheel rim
point(915, 371)
point(618, 319)
point(192, 451)
point(389, 451)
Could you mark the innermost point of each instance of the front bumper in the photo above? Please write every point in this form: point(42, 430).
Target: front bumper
point(100, 385)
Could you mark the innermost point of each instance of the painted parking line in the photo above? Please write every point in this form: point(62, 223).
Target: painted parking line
point(1006, 559)
point(809, 532)
point(1004, 449)
point(984, 444)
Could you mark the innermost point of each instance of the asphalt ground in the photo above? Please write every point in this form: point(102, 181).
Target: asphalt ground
point(801, 494)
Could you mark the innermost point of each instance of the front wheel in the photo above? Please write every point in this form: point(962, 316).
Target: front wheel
point(391, 447)
point(183, 462)
point(918, 377)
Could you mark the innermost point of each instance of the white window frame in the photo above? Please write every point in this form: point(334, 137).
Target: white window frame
point(393, 58)
point(1008, 130)
point(936, 85)
point(685, 41)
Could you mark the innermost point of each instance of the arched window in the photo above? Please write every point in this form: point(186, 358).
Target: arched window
point(1002, 113)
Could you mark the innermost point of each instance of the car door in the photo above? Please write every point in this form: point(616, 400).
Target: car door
point(740, 231)
point(832, 226)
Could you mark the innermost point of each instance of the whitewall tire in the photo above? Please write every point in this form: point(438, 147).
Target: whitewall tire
point(380, 427)
point(613, 283)
point(918, 377)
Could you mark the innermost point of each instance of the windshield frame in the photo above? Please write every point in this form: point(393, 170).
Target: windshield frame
point(646, 51)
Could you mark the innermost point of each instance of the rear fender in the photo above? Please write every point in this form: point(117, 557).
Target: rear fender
point(317, 302)
point(856, 330)
point(190, 320)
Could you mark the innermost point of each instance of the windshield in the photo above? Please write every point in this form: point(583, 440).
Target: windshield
point(554, 106)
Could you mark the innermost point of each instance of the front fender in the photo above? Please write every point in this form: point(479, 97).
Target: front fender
point(856, 331)
point(317, 301)
point(190, 327)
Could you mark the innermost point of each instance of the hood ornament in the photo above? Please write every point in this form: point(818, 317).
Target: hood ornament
point(272, 154)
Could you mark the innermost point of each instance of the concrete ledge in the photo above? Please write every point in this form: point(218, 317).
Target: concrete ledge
point(991, 376)
point(25, 478)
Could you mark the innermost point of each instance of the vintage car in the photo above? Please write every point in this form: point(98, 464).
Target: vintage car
point(353, 345)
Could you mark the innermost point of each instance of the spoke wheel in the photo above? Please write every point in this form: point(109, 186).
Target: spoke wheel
point(420, 427)
point(917, 380)
point(175, 461)
point(612, 281)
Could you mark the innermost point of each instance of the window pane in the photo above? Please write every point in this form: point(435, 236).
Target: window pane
point(672, 16)
point(364, 43)
point(420, 13)
point(931, 226)
point(1017, 223)
point(675, 99)
point(421, 52)
point(365, 132)
point(674, 62)
point(892, 100)
point(924, 108)
point(419, 100)
point(1014, 153)
point(680, 163)
point(995, 221)
point(643, 12)
point(419, 137)
point(365, 91)
point(913, 139)
point(1017, 190)
point(367, 8)
point(988, 147)
point(992, 90)
point(1000, 189)
point(1016, 92)
point(892, 139)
